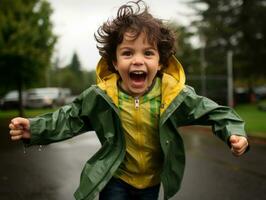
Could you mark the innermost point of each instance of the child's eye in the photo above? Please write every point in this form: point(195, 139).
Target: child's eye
point(126, 53)
point(149, 53)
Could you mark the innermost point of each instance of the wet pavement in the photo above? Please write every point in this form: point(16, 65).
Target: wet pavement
point(52, 172)
point(212, 172)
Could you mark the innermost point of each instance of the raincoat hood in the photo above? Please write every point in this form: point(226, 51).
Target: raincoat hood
point(173, 81)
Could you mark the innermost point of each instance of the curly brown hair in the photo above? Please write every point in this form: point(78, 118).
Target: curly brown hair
point(136, 19)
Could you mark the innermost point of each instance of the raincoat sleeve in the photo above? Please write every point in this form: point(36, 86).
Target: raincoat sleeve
point(200, 110)
point(62, 124)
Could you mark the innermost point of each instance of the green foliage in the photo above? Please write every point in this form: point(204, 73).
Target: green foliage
point(75, 65)
point(185, 52)
point(72, 76)
point(234, 25)
point(64, 77)
point(253, 41)
point(26, 42)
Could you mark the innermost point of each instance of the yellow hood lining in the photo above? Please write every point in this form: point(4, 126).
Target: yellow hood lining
point(173, 81)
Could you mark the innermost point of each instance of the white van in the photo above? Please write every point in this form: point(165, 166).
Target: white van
point(49, 97)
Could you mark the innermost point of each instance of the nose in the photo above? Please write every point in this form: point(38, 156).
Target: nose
point(138, 60)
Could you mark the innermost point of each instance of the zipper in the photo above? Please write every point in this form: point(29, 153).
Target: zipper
point(136, 102)
point(139, 136)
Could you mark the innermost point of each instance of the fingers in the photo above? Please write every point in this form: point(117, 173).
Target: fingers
point(16, 134)
point(19, 128)
point(20, 123)
point(238, 152)
point(19, 134)
point(239, 144)
point(16, 137)
point(13, 127)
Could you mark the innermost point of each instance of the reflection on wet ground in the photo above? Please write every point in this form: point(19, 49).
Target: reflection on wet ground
point(52, 172)
point(212, 172)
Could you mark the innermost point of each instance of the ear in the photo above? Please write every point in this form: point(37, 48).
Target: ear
point(159, 67)
point(115, 65)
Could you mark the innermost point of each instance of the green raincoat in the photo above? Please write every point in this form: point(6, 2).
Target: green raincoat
point(96, 109)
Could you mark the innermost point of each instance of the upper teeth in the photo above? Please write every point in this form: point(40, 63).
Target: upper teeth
point(138, 72)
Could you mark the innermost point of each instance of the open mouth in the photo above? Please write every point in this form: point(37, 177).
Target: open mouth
point(138, 76)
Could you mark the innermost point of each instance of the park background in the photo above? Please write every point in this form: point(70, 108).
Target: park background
point(221, 45)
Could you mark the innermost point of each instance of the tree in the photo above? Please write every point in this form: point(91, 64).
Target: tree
point(252, 43)
point(236, 25)
point(26, 43)
point(75, 65)
point(72, 76)
point(185, 52)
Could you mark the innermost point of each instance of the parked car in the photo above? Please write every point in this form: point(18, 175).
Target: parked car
point(247, 95)
point(260, 92)
point(241, 95)
point(47, 97)
point(11, 100)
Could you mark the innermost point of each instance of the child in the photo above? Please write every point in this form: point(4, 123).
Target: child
point(135, 109)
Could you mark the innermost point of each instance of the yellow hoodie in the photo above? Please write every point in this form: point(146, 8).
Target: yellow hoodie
point(142, 165)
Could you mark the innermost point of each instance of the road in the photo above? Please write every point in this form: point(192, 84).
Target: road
point(52, 172)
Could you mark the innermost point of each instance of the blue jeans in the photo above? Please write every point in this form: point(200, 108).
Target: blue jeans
point(117, 189)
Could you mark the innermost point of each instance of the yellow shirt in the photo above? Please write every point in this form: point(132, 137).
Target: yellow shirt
point(142, 165)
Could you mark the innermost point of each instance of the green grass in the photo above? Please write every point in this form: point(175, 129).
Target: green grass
point(254, 118)
point(28, 113)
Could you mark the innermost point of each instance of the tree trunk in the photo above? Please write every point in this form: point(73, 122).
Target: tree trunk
point(20, 98)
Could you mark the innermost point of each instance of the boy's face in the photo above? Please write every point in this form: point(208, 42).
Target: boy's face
point(137, 63)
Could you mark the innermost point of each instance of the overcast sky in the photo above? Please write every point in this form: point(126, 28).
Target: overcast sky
point(75, 22)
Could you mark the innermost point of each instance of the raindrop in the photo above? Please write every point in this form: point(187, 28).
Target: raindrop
point(24, 149)
point(40, 148)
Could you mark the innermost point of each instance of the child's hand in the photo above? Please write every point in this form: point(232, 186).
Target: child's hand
point(239, 144)
point(19, 128)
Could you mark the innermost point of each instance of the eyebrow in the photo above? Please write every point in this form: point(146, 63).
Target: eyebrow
point(146, 48)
